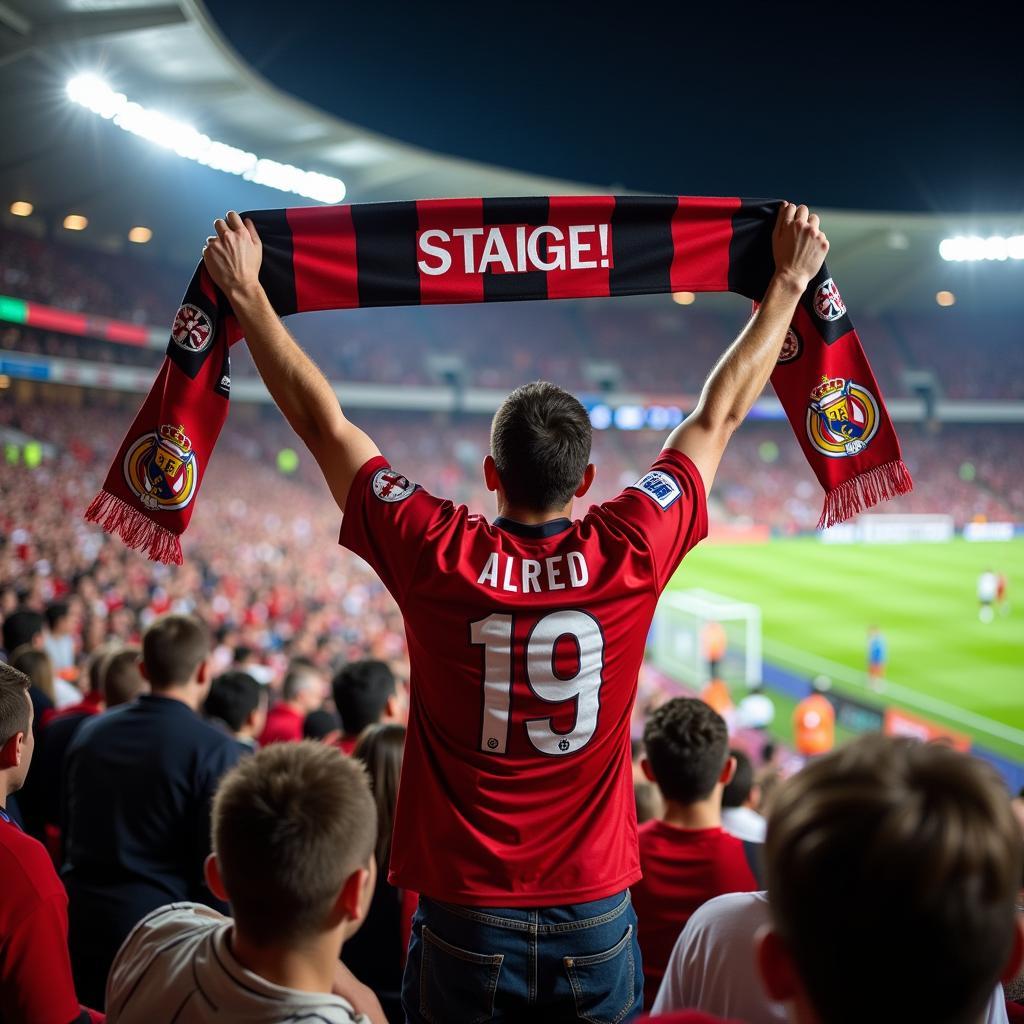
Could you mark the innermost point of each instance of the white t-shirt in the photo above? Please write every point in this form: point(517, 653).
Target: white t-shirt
point(713, 967)
point(744, 823)
point(177, 965)
point(988, 585)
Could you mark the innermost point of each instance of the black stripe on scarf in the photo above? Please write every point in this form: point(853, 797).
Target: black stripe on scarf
point(386, 248)
point(642, 246)
point(277, 274)
point(751, 264)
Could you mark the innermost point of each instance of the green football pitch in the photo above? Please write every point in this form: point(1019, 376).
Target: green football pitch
point(817, 602)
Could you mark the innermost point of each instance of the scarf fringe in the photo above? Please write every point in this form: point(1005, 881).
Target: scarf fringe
point(135, 528)
point(864, 490)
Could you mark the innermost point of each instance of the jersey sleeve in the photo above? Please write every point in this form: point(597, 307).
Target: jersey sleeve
point(387, 522)
point(665, 512)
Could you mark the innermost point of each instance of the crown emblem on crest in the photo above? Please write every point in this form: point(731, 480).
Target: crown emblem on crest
point(177, 437)
point(829, 388)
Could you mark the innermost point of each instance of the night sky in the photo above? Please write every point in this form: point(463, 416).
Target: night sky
point(906, 109)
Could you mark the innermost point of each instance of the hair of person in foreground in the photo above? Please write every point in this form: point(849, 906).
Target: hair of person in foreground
point(892, 868)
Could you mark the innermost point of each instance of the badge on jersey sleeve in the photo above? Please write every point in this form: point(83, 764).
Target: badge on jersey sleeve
point(391, 486)
point(660, 487)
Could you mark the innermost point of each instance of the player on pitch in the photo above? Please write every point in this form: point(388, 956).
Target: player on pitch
point(515, 817)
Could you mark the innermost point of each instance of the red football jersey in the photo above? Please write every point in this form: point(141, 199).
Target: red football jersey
point(525, 643)
point(683, 869)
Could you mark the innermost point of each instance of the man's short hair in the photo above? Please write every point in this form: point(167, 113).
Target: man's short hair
point(540, 442)
point(896, 863)
point(173, 648)
point(319, 724)
point(96, 667)
point(233, 697)
point(361, 690)
point(301, 674)
point(737, 793)
point(14, 709)
point(687, 746)
point(35, 663)
point(55, 611)
point(122, 681)
point(290, 824)
point(21, 628)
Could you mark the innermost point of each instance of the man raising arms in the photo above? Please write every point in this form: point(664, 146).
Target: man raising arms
point(515, 816)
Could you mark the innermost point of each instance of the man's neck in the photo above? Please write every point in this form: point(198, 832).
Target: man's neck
point(184, 694)
point(306, 968)
point(4, 791)
point(700, 815)
point(531, 517)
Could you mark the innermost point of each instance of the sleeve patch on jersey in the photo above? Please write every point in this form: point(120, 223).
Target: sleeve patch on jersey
point(391, 486)
point(661, 488)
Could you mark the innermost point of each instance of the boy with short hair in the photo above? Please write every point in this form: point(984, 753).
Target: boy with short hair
point(686, 856)
point(294, 829)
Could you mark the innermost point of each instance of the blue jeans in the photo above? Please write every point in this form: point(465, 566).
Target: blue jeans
point(468, 965)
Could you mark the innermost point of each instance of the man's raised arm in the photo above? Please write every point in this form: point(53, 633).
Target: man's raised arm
point(301, 391)
point(799, 247)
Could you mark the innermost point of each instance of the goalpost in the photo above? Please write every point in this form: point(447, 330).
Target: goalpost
point(693, 626)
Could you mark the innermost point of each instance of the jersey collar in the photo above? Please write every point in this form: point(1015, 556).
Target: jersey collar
point(533, 530)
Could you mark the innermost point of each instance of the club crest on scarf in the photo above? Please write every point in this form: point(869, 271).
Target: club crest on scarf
point(160, 468)
point(842, 417)
point(828, 303)
point(791, 347)
point(192, 329)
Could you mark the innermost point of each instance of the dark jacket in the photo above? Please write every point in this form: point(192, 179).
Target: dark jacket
point(138, 783)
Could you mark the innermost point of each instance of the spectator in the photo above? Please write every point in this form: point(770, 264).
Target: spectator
point(23, 628)
point(123, 680)
point(114, 679)
point(35, 972)
point(713, 967)
point(238, 705)
point(365, 693)
point(293, 834)
point(686, 856)
point(377, 954)
point(34, 663)
point(740, 801)
point(58, 640)
point(138, 782)
point(303, 691)
point(323, 726)
point(921, 843)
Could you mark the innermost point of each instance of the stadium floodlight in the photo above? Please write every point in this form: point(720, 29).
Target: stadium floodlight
point(94, 94)
point(20, 208)
point(973, 248)
point(75, 222)
point(140, 235)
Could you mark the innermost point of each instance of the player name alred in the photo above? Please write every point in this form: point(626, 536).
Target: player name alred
point(534, 576)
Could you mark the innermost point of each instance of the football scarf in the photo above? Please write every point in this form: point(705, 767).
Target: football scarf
point(496, 250)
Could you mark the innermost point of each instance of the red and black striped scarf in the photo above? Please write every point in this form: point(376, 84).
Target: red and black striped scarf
point(492, 250)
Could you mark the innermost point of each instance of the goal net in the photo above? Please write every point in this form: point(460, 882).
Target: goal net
point(695, 630)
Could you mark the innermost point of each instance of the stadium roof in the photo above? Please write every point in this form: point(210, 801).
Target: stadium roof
point(169, 55)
